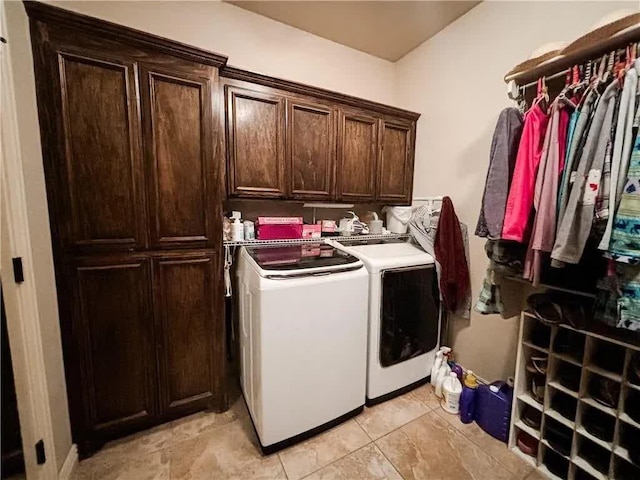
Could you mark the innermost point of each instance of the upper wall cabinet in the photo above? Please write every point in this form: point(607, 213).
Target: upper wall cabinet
point(357, 156)
point(255, 124)
point(288, 140)
point(395, 167)
point(311, 150)
point(101, 176)
point(178, 146)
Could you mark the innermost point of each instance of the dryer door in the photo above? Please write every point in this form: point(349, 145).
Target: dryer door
point(410, 313)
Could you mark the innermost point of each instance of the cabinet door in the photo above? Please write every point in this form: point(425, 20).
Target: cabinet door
point(255, 143)
point(189, 319)
point(395, 169)
point(179, 150)
point(98, 188)
point(357, 156)
point(114, 329)
point(311, 150)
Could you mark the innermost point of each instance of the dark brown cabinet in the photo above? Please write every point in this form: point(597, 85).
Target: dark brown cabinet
point(256, 142)
point(185, 290)
point(311, 150)
point(291, 141)
point(357, 156)
point(178, 147)
point(115, 339)
point(395, 166)
point(129, 126)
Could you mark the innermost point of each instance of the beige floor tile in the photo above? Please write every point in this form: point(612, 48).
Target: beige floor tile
point(430, 448)
point(307, 457)
point(153, 466)
point(385, 417)
point(203, 422)
point(368, 463)
point(82, 471)
point(536, 475)
point(228, 452)
point(497, 449)
point(426, 395)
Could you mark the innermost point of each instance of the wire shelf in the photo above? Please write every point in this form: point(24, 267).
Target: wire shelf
point(299, 241)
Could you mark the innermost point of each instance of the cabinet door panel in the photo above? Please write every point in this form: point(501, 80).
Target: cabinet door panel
point(311, 150)
point(357, 156)
point(256, 143)
point(396, 163)
point(185, 300)
point(116, 332)
point(102, 171)
point(179, 149)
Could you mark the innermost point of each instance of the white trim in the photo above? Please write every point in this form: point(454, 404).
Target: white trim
point(69, 463)
point(23, 321)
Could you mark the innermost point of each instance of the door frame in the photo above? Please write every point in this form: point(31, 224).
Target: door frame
point(23, 320)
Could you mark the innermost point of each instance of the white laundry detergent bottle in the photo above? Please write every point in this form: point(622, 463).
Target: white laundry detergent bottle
point(443, 372)
point(436, 365)
point(451, 391)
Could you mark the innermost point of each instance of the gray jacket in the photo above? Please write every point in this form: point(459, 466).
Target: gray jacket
point(576, 223)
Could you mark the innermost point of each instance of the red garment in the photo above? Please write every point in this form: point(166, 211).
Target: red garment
point(450, 254)
point(520, 201)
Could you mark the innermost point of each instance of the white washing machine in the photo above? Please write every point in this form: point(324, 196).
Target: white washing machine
point(404, 315)
point(303, 339)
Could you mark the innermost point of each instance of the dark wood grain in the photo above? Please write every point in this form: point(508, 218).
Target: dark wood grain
point(301, 89)
point(256, 143)
point(115, 330)
point(395, 167)
point(185, 299)
point(102, 167)
point(179, 155)
point(311, 150)
point(357, 156)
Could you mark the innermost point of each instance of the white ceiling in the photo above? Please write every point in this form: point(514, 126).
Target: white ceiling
point(386, 29)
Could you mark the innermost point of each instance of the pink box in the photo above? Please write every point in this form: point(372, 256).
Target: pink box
point(279, 228)
point(311, 231)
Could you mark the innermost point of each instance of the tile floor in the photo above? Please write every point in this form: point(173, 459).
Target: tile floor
point(409, 437)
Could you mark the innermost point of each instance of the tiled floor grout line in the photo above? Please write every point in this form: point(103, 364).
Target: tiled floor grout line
point(395, 467)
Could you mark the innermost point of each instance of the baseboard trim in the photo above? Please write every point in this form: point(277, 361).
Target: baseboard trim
point(69, 463)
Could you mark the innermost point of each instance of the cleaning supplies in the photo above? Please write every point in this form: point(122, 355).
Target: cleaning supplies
point(493, 409)
point(468, 398)
point(451, 391)
point(436, 366)
point(237, 230)
point(249, 230)
point(375, 225)
point(443, 372)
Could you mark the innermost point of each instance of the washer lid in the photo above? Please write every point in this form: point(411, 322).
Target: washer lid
point(300, 257)
point(390, 255)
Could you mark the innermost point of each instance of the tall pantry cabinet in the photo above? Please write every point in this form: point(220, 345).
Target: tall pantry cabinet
point(130, 132)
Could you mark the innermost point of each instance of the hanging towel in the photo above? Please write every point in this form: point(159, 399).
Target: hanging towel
point(502, 159)
point(546, 188)
point(520, 201)
point(625, 239)
point(576, 223)
point(449, 249)
point(623, 143)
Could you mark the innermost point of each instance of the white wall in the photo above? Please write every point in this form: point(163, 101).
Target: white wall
point(254, 42)
point(38, 219)
point(455, 79)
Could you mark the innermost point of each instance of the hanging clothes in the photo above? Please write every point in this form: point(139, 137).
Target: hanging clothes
point(520, 201)
point(582, 118)
point(502, 159)
point(623, 143)
point(601, 209)
point(625, 238)
point(576, 223)
point(546, 188)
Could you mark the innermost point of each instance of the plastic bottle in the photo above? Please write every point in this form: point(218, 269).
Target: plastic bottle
point(249, 230)
point(443, 373)
point(468, 398)
point(237, 230)
point(436, 366)
point(451, 390)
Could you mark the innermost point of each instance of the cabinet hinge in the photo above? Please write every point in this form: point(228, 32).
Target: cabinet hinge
point(41, 457)
point(18, 272)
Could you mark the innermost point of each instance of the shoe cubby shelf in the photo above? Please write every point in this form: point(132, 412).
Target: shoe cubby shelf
point(580, 408)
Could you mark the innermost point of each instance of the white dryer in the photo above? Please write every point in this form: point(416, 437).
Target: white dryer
point(303, 339)
point(404, 315)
